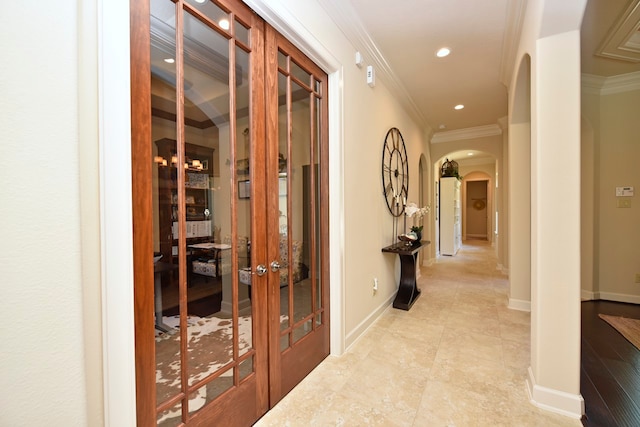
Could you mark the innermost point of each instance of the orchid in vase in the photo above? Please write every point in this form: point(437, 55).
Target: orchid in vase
point(412, 210)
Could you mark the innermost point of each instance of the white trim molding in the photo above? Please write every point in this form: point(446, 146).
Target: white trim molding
point(515, 19)
point(621, 41)
point(280, 18)
point(346, 18)
point(359, 331)
point(598, 85)
point(560, 402)
point(588, 295)
point(611, 296)
point(520, 305)
point(503, 269)
point(468, 133)
point(116, 235)
point(428, 262)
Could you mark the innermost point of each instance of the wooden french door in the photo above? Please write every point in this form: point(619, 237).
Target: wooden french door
point(296, 136)
point(229, 165)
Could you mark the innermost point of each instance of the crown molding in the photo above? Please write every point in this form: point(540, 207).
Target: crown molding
point(346, 19)
point(468, 133)
point(470, 161)
point(598, 85)
point(621, 42)
point(511, 40)
point(592, 84)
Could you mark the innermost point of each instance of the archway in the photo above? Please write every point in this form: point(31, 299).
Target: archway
point(519, 212)
point(473, 166)
point(478, 209)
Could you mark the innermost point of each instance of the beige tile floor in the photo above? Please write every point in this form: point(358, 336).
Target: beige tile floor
point(459, 357)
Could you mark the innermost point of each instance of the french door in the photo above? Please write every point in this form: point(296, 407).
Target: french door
point(230, 211)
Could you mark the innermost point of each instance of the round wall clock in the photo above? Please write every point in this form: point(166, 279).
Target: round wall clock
point(395, 172)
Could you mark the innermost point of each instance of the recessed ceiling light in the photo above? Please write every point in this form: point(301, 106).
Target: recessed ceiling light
point(459, 107)
point(200, 1)
point(169, 60)
point(442, 52)
point(224, 24)
point(469, 154)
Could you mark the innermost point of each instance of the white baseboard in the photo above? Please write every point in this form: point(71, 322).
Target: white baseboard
point(560, 402)
point(610, 296)
point(518, 304)
point(588, 295)
point(428, 262)
point(476, 236)
point(357, 332)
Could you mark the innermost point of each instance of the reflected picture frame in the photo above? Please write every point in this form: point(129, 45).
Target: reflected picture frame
point(244, 190)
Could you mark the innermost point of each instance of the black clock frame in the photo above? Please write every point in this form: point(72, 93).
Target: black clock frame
point(395, 172)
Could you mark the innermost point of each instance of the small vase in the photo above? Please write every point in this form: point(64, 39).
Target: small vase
point(419, 235)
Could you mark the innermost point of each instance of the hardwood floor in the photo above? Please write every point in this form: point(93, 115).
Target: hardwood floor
point(610, 368)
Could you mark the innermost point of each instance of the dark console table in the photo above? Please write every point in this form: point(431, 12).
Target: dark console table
point(408, 291)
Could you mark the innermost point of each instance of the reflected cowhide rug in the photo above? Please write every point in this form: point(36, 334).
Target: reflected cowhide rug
point(210, 347)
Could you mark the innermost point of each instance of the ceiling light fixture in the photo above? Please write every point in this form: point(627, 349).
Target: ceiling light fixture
point(200, 1)
point(442, 52)
point(224, 24)
point(459, 107)
point(469, 154)
point(169, 60)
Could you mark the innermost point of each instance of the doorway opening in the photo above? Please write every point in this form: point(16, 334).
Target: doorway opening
point(230, 160)
point(476, 209)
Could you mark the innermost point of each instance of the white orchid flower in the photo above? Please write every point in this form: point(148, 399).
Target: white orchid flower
point(412, 209)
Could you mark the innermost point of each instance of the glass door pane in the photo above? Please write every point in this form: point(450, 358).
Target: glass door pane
point(298, 150)
point(297, 146)
point(202, 210)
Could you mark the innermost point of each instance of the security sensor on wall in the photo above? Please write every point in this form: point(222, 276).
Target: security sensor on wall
point(371, 76)
point(359, 60)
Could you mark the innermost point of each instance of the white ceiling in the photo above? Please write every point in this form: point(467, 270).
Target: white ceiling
point(400, 38)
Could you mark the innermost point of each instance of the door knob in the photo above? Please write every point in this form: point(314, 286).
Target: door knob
point(260, 270)
point(275, 266)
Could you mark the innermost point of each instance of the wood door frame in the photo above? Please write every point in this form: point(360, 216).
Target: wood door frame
point(314, 347)
point(253, 389)
point(114, 99)
point(276, 15)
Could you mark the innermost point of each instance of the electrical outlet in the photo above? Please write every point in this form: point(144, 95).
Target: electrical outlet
point(637, 277)
point(375, 285)
point(623, 202)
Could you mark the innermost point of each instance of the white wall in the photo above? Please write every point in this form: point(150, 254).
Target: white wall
point(551, 38)
point(473, 221)
point(55, 378)
point(368, 113)
point(589, 265)
point(610, 156)
point(43, 372)
point(488, 144)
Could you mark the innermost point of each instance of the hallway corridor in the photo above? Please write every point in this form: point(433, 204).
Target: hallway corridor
point(459, 357)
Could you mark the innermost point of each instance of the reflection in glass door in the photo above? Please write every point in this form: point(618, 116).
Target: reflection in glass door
point(232, 310)
point(202, 224)
point(297, 120)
